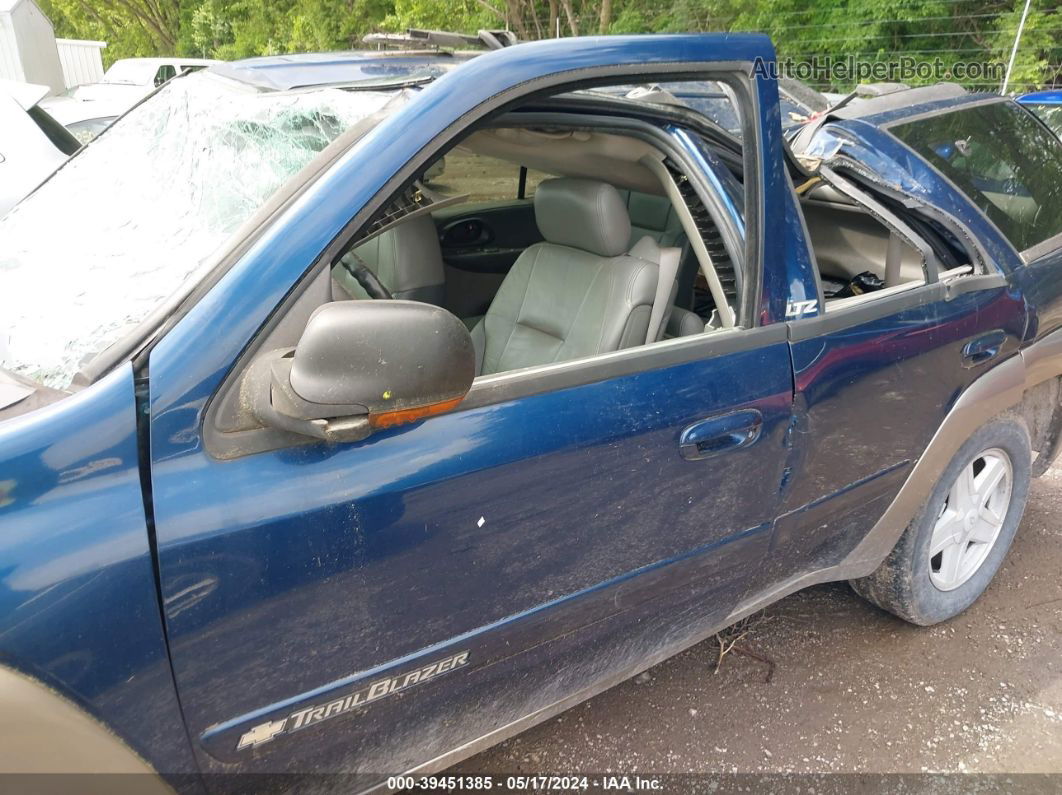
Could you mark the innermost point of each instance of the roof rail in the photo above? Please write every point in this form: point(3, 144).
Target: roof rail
point(899, 99)
point(414, 37)
point(880, 89)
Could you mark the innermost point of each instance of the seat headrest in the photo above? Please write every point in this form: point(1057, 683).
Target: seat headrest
point(584, 214)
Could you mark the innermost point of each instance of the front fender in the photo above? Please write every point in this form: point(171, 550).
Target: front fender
point(79, 611)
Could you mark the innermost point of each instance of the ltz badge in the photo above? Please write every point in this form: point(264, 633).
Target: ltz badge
point(312, 715)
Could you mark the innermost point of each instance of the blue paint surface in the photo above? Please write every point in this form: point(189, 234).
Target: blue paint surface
point(78, 606)
point(1051, 96)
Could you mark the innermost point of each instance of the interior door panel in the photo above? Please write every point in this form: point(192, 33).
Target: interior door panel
point(480, 242)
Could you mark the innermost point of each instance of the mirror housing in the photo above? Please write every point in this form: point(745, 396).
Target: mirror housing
point(362, 366)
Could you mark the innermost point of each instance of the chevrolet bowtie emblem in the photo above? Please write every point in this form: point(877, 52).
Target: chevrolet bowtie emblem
point(262, 733)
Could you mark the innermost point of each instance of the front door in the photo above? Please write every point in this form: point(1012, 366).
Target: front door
point(484, 540)
point(373, 605)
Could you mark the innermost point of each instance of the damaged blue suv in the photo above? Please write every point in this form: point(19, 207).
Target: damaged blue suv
point(360, 411)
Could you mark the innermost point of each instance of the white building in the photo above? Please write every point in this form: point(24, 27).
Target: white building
point(28, 53)
point(82, 61)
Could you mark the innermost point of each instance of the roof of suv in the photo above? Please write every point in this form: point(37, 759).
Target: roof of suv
point(363, 68)
point(385, 69)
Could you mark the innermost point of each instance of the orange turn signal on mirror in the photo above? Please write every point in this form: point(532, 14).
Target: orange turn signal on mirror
point(390, 419)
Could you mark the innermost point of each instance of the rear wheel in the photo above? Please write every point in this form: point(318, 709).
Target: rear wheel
point(950, 552)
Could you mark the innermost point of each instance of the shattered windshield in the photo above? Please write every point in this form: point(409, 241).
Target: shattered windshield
point(141, 211)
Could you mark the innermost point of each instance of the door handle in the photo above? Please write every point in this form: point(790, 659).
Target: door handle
point(465, 233)
point(722, 434)
point(983, 348)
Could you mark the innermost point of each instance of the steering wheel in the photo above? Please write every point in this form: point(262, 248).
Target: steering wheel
point(368, 280)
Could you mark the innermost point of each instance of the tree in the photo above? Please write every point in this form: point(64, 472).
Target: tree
point(867, 30)
point(1039, 56)
point(131, 27)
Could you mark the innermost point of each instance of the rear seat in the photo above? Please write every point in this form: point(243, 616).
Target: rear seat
point(654, 216)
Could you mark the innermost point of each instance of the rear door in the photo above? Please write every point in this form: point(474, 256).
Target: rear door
point(875, 375)
point(874, 380)
point(373, 606)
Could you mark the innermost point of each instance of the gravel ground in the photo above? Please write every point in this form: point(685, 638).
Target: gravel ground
point(853, 689)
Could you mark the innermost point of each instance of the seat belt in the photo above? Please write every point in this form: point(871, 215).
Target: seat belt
point(478, 333)
point(667, 267)
point(893, 260)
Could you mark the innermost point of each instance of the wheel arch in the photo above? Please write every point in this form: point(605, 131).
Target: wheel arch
point(42, 731)
point(1023, 384)
point(1041, 404)
point(999, 390)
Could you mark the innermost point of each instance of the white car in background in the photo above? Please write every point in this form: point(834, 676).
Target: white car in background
point(89, 109)
point(32, 143)
point(149, 73)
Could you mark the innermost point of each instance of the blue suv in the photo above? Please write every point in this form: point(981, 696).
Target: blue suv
point(362, 410)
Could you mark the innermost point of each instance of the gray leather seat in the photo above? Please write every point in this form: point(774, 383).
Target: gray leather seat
point(653, 216)
point(406, 258)
point(576, 294)
point(684, 323)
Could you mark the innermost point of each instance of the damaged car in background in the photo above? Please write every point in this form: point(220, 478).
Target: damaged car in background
point(87, 110)
point(312, 467)
point(32, 143)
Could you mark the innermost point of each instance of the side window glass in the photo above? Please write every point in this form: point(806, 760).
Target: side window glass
point(481, 177)
point(1007, 163)
point(531, 182)
point(164, 73)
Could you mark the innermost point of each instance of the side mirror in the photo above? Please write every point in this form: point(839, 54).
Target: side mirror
point(363, 366)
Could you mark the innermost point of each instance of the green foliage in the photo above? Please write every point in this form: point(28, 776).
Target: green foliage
point(867, 30)
point(456, 15)
point(1041, 46)
point(130, 28)
point(206, 30)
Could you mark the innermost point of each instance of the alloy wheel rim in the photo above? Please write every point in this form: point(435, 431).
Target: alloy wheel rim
point(971, 519)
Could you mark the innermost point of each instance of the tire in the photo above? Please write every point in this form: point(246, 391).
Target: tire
point(971, 534)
